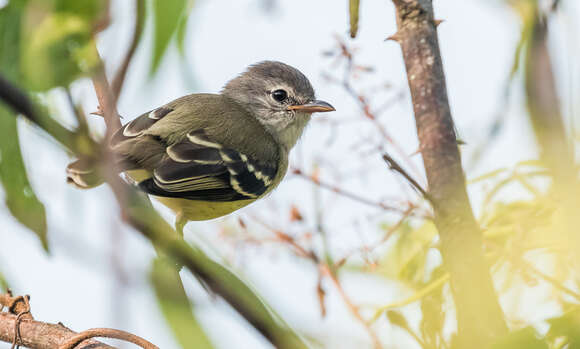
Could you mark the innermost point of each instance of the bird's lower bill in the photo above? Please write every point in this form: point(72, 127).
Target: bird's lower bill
point(194, 210)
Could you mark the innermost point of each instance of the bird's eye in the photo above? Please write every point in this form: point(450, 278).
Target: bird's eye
point(279, 95)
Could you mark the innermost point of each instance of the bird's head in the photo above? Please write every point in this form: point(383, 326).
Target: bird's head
point(279, 96)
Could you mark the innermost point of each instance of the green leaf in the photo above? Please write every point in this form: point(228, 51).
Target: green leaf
point(182, 29)
point(176, 306)
point(353, 8)
point(58, 51)
point(526, 338)
point(20, 198)
point(167, 15)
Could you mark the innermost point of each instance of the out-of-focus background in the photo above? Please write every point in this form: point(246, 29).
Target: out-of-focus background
point(339, 198)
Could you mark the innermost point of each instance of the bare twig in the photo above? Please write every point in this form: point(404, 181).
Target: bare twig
point(351, 195)
point(364, 104)
point(119, 79)
point(393, 165)
point(75, 340)
point(351, 306)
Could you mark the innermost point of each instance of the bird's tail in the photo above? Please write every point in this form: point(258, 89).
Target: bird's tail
point(83, 174)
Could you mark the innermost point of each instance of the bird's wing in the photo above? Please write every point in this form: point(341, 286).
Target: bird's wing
point(196, 168)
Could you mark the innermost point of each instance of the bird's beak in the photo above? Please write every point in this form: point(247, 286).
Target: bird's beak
point(313, 107)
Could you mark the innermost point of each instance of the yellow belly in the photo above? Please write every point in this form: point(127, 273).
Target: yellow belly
point(195, 210)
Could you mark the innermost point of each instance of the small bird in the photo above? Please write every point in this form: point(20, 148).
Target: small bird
point(207, 155)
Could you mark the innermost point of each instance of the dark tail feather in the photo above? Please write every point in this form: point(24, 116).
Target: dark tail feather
point(83, 174)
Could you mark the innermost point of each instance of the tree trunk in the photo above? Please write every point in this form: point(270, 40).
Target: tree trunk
point(479, 316)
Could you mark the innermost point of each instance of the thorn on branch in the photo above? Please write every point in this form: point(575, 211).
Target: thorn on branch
point(99, 112)
point(436, 22)
point(395, 37)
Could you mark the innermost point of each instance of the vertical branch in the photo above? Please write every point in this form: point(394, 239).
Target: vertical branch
point(479, 316)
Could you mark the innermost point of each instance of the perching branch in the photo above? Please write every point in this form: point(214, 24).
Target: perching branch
point(479, 317)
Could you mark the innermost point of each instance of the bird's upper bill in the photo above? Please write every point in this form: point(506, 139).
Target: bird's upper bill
point(312, 107)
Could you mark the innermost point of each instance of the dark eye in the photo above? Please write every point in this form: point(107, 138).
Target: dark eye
point(279, 95)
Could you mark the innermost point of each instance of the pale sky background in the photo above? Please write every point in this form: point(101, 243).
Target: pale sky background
point(78, 283)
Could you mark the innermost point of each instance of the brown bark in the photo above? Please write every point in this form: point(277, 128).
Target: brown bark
point(41, 335)
point(479, 316)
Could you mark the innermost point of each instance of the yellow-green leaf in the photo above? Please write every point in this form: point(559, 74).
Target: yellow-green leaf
point(405, 260)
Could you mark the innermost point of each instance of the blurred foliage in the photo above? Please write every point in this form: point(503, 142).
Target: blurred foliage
point(566, 329)
point(19, 195)
point(526, 338)
point(57, 41)
point(59, 51)
point(170, 18)
point(175, 305)
point(406, 259)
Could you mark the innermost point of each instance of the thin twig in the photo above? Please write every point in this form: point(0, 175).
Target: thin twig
point(353, 196)
point(107, 333)
point(364, 105)
point(119, 79)
point(353, 308)
point(393, 165)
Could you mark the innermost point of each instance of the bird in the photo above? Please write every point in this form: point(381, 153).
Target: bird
point(207, 155)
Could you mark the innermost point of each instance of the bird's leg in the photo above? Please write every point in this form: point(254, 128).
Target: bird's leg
point(180, 222)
